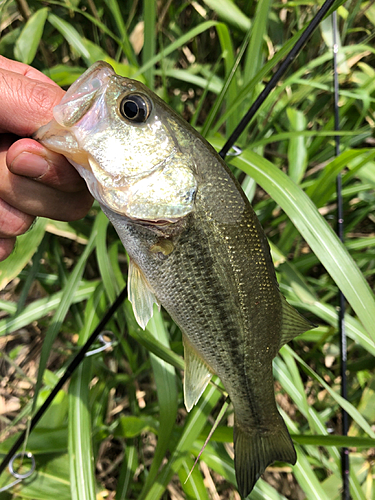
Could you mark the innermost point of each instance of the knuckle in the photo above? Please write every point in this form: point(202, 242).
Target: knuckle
point(13, 227)
point(6, 247)
point(13, 222)
point(39, 98)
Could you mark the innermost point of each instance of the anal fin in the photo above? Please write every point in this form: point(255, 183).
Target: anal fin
point(293, 323)
point(140, 295)
point(197, 375)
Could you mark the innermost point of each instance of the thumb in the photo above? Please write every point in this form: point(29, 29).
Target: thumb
point(25, 103)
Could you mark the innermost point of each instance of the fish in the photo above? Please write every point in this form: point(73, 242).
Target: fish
point(195, 247)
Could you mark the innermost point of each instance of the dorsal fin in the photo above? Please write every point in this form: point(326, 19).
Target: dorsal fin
point(196, 377)
point(140, 295)
point(293, 323)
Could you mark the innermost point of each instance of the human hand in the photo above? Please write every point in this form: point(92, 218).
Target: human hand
point(33, 180)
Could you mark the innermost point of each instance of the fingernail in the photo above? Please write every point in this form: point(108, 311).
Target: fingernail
point(29, 165)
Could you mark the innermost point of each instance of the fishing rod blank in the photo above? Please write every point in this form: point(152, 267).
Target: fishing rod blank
point(341, 298)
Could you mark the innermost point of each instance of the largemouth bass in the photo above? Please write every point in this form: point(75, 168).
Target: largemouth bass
point(195, 246)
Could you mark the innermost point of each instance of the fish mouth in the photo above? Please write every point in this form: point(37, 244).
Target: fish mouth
point(76, 102)
point(82, 93)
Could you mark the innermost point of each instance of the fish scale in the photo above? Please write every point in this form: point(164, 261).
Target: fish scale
point(195, 246)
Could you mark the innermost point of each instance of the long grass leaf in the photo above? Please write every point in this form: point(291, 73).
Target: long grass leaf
point(229, 88)
point(297, 151)
point(254, 59)
point(149, 45)
point(120, 24)
point(71, 35)
point(127, 471)
point(349, 408)
point(194, 487)
point(25, 248)
point(42, 307)
point(191, 430)
point(123, 43)
point(82, 474)
point(176, 45)
point(230, 13)
point(63, 307)
point(307, 478)
point(106, 271)
point(28, 41)
point(213, 85)
point(166, 387)
point(224, 434)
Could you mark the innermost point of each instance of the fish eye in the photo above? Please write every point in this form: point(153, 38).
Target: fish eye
point(135, 107)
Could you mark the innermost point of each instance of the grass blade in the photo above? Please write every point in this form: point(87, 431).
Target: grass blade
point(28, 41)
point(297, 152)
point(42, 307)
point(82, 470)
point(149, 45)
point(230, 13)
point(307, 478)
point(25, 248)
point(66, 301)
point(176, 45)
point(229, 86)
point(166, 386)
point(71, 35)
point(349, 408)
point(194, 487)
point(191, 430)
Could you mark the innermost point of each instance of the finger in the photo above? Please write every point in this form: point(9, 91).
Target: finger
point(13, 222)
point(6, 247)
point(25, 70)
point(30, 159)
point(33, 99)
point(34, 198)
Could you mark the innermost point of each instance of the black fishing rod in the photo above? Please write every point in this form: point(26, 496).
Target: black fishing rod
point(345, 471)
point(116, 304)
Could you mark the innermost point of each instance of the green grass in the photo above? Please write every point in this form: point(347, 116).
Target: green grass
point(120, 430)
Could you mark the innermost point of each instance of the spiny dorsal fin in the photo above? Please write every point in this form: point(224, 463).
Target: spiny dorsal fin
point(140, 295)
point(196, 377)
point(293, 323)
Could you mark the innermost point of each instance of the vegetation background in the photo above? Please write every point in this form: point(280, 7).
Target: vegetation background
point(120, 430)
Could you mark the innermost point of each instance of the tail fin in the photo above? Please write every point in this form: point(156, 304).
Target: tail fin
point(254, 451)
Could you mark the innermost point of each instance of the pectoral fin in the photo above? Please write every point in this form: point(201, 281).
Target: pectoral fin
point(140, 295)
point(197, 375)
point(293, 323)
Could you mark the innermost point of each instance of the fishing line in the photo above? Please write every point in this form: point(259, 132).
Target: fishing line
point(68, 373)
point(341, 298)
point(284, 66)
